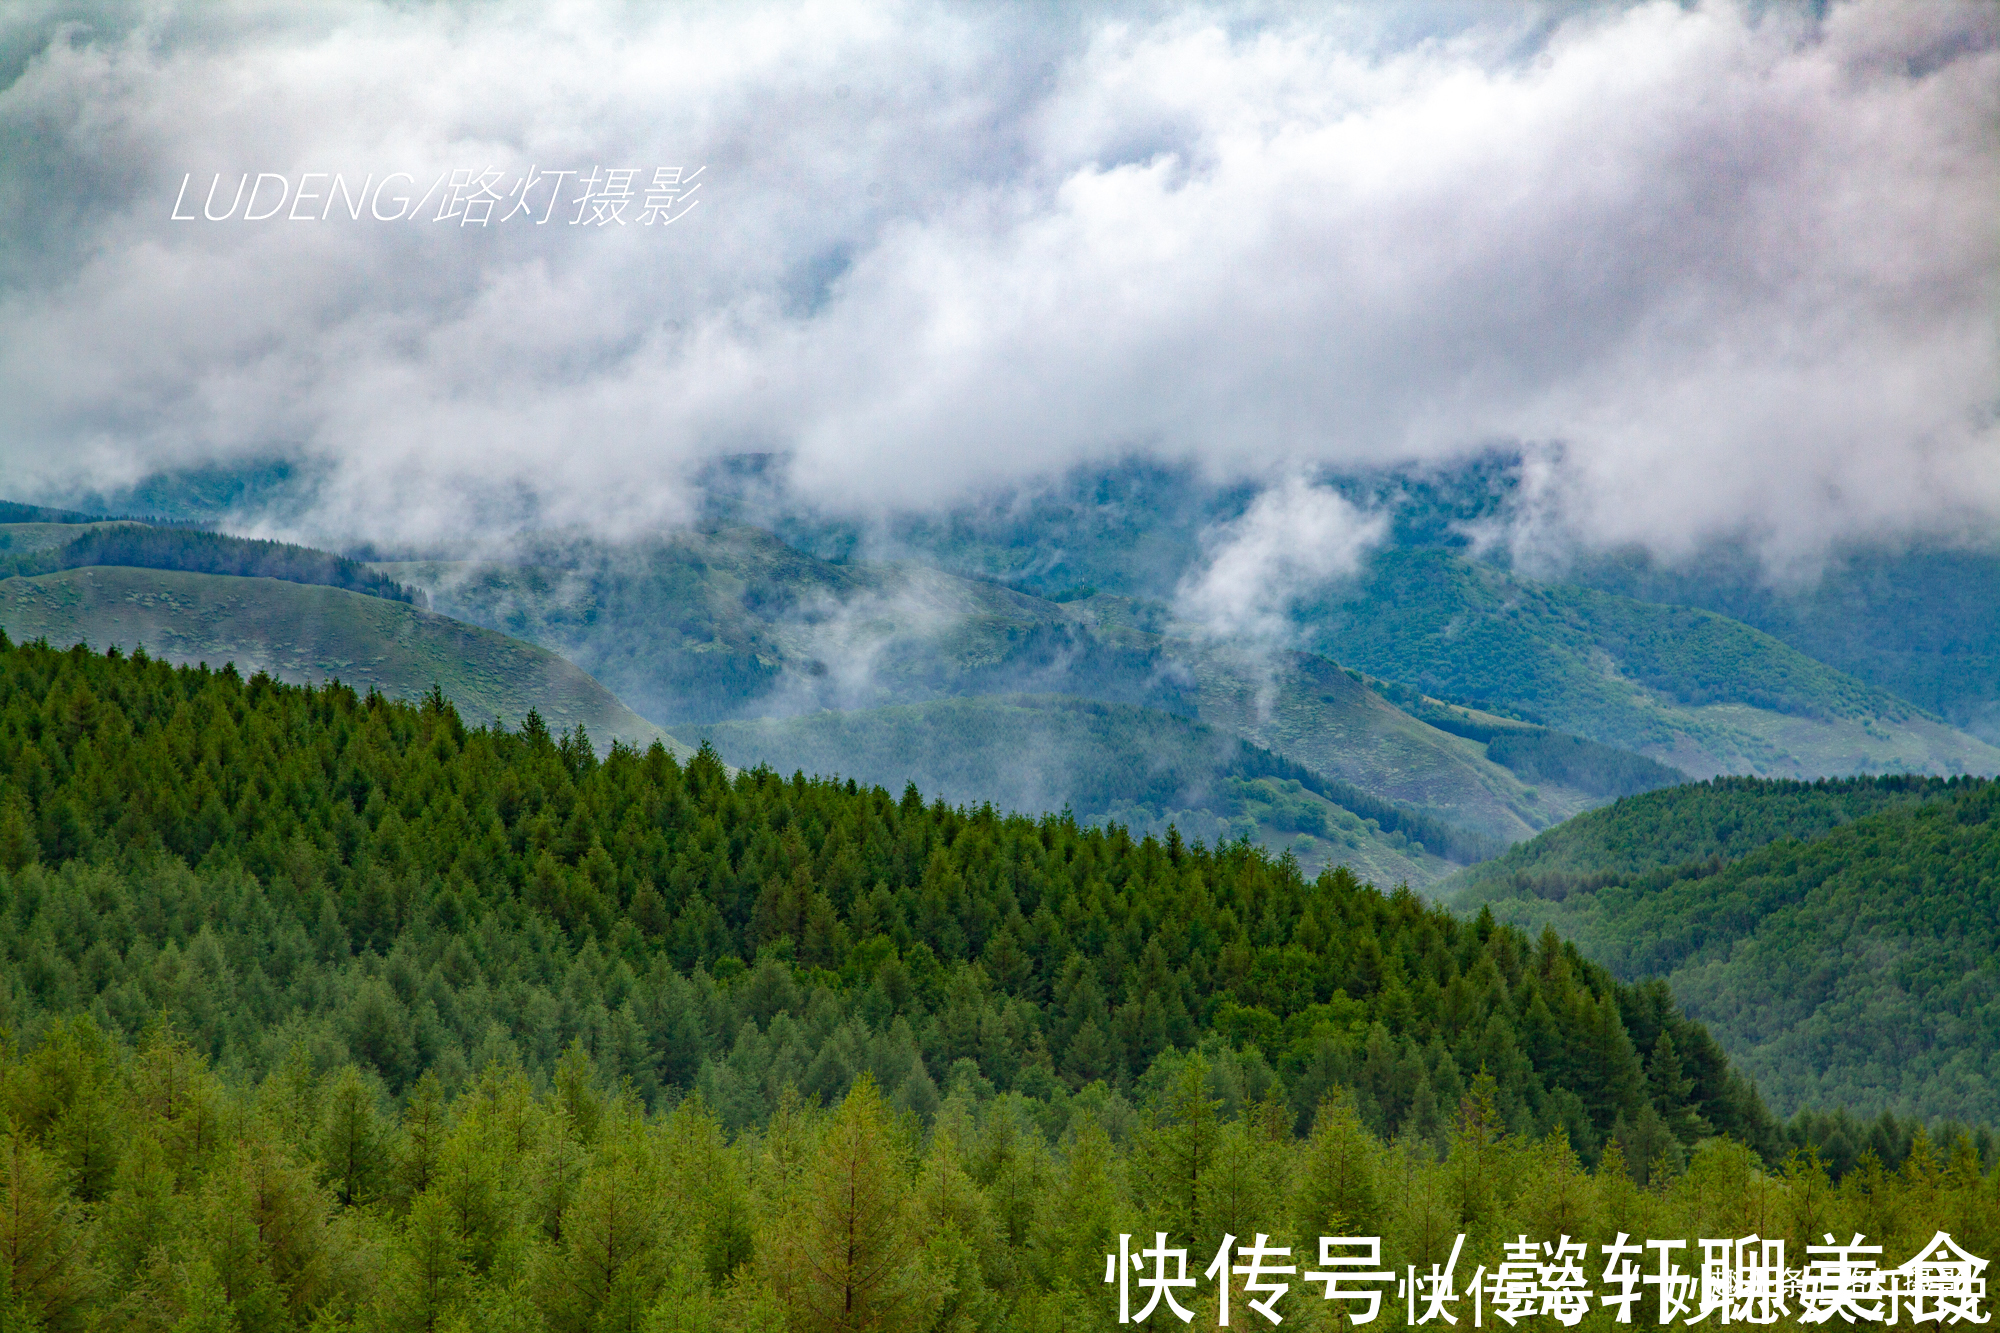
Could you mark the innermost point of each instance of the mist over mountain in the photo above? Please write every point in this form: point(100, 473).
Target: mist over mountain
point(1714, 272)
point(1229, 313)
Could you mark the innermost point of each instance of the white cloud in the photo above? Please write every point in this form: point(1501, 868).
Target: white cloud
point(1738, 264)
point(1294, 538)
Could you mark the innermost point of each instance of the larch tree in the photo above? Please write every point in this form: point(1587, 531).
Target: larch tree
point(845, 1258)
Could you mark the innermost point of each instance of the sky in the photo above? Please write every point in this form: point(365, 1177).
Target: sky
point(1714, 271)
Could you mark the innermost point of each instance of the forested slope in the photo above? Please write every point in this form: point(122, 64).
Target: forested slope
point(376, 879)
point(1698, 825)
point(328, 1011)
point(1843, 939)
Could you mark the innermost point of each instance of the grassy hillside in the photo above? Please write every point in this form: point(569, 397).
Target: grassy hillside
point(706, 626)
point(18, 539)
point(1689, 687)
point(144, 546)
point(303, 633)
point(1309, 709)
point(1538, 753)
point(1137, 766)
point(1843, 940)
point(1922, 624)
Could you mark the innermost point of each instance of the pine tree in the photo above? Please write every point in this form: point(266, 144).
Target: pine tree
point(576, 1090)
point(1177, 1153)
point(352, 1154)
point(426, 1274)
point(203, 1299)
point(141, 1213)
point(65, 1100)
point(606, 1273)
point(1474, 1161)
point(1244, 1184)
point(1083, 1215)
point(424, 1129)
point(843, 1259)
point(174, 1090)
point(1334, 1191)
point(1671, 1091)
point(263, 1225)
point(18, 847)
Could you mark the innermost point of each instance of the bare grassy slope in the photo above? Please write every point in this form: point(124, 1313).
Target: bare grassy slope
point(302, 633)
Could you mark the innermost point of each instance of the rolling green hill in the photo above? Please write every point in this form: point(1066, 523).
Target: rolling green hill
point(300, 632)
point(1689, 687)
point(1304, 706)
point(707, 626)
point(143, 546)
point(1842, 939)
point(1136, 766)
point(1923, 624)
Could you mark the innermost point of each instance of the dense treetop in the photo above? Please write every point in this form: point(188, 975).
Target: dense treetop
point(1694, 825)
point(274, 864)
point(140, 1192)
point(323, 1011)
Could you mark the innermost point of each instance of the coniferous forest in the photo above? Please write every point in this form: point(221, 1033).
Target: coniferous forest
point(326, 1011)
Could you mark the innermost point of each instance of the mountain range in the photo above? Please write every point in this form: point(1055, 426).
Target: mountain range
point(1435, 681)
point(1522, 748)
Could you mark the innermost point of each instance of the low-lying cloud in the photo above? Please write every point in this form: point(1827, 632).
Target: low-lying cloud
point(1729, 270)
point(1293, 540)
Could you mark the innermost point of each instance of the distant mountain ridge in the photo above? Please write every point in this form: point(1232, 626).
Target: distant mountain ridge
point(138, 545)
point(283, 610)
point(732, 623)
point(704, 628)
point(1111, 763)
point(1689, 687)
point(1920, 621)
